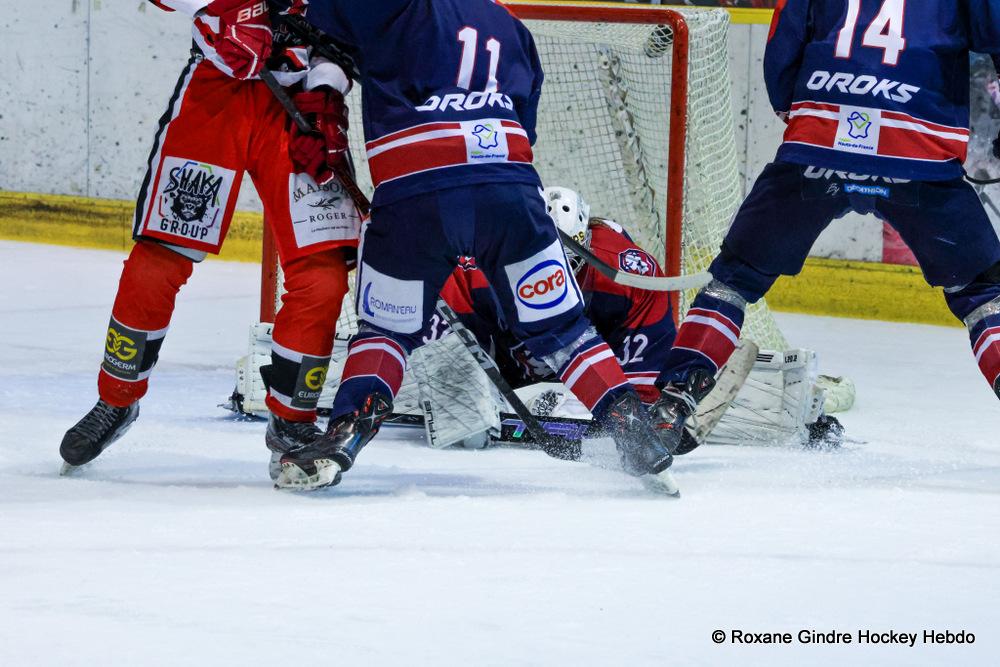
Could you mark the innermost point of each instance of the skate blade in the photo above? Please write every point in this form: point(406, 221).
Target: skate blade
point(274, 466)
point(68, 470)
point(662, 483)
point(294, 478)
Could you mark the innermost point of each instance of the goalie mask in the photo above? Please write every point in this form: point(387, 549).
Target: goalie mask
point(571, 215)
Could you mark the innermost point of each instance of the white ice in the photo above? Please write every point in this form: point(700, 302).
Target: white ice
point(173, 549)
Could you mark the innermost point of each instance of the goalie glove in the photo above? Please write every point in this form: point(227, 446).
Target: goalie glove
point(240, 33)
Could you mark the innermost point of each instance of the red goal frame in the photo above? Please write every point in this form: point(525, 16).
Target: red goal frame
point(678, 95)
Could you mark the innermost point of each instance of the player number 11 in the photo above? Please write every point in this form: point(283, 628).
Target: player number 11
point(469, 37)
point(885, 31)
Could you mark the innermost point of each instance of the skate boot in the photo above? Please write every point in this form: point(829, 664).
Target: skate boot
point(642, 454)
point(825, 434)
point(320, 463)
point(284, 436)
point(676, 404)
point(100, 427)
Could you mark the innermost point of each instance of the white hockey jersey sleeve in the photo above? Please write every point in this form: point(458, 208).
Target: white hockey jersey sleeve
point(189, 7)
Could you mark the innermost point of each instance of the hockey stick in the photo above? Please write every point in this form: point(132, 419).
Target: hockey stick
point(341, 171)
point(555, 446)
point(322, 44)
point(654, 284)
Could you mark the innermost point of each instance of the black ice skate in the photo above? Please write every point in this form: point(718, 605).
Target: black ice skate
point(321, 463)
point(825, 434)
point(100, 427)
point(284, 436)
point(676, 404)
point(642, 453)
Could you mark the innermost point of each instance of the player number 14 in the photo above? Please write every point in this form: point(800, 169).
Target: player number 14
point(885, 31)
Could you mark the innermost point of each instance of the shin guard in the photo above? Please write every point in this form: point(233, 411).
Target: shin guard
point(984, 333)
point(141, 315)
point(375, 364)
point(304, 329)
point(590, 370)
point(708, 336)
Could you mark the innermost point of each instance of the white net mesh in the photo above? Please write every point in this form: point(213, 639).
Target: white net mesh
point(604, 130)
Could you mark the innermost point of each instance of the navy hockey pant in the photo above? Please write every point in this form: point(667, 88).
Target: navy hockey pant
point(943, 223)
point(409, 250)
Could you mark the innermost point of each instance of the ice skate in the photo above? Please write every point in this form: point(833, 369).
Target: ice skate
point(642, 453)
point(284, 436)
point(90, 436)
point(676, 404)
point(320, 463)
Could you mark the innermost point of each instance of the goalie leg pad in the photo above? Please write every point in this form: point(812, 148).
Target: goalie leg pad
point(777, 403)
point(151, 279)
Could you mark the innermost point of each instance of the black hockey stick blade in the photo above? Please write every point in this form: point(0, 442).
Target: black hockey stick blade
point(651, 283)
point(492, 372)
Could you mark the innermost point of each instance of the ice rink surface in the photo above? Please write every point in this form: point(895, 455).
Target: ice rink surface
point(173, 549)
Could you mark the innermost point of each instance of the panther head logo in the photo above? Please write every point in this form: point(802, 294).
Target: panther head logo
point(189, 207)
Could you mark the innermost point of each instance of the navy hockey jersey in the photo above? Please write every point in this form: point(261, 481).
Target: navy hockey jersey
point(637, 324)
point(877, 87)
point(450, 91)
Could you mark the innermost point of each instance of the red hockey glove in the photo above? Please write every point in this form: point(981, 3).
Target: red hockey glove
point(240, 32)
point(319, 152)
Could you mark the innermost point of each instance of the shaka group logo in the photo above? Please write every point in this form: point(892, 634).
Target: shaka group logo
point(191, 200)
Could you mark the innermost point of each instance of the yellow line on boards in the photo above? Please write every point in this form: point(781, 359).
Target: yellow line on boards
point(106, 224)
point(837, 288)
point(737, 15)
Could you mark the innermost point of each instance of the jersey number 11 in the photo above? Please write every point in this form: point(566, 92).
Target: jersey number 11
point(469, 37)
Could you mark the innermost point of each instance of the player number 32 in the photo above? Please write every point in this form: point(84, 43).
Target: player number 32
point(885, 31)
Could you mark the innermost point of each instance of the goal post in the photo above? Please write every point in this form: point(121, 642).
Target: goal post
point(636, 114)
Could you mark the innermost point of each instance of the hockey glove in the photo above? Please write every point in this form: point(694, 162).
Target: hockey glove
point(319, 152)
point(240, 32)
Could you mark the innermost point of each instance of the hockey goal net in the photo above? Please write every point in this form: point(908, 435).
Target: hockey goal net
point(637, 115)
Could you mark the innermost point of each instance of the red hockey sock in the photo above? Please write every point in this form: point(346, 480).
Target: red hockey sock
point(303, 333)
point(147, 291)
point(594, 375)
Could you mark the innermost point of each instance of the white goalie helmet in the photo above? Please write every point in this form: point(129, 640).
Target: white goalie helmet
point(570, 212)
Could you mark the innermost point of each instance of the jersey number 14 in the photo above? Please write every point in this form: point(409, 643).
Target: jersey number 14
point(885, 31)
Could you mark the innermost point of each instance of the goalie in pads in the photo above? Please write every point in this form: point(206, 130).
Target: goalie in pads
point(760, 396)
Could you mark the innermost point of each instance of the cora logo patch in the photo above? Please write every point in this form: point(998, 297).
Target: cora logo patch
point(542, 285)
